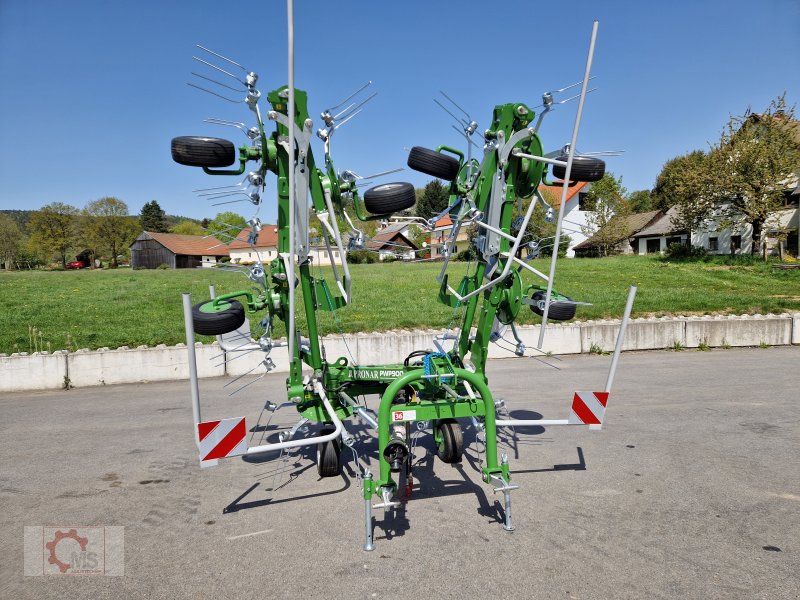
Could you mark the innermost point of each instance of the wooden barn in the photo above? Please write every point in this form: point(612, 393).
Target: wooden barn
point(150, 250)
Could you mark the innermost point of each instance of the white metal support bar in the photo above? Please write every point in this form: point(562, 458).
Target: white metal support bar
point(291, 109)
point(306, 441)
point(611, 372)
point(195, 386)
point(620, 337)
point(511, 253)
point(562, 207)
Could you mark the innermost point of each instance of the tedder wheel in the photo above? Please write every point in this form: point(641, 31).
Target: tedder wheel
point(329, 462)
point(196, 151)
point(433, 163)
point(389, 198)
point(451, 447)
point(208, 319)
point(559, 310)
point(584, 168)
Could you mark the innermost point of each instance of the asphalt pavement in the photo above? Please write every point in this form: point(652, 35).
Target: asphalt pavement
point(691, 490)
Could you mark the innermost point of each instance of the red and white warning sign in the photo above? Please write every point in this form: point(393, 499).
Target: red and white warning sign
point(588, 408)
point(220, 439)
point(404, 415)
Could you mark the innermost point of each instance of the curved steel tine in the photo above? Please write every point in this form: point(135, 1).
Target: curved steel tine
point(346, 120)
point(234, 189)
point(228, 225)
point(461, 122)
point(213, 66)
point(575, 96)
point(215, 94)
point(218, 121)
point(344, 110)
point(218, 82)
point(572, 85)
point(358, 91)
point(454, 103)
point(225, 58)
point(356, 108)
point(222, 187)
point(237, 124)
point(220, 194)
point(228, 194)
point(229, 202)
point(382, 173)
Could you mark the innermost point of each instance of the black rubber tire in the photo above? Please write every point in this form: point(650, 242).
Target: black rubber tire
point(433, 163)
point(584, 168)
point(389, 198)
point(329, 456)
point(559, 311)
point(196, 151)
point(228, 319)
point(452, 447)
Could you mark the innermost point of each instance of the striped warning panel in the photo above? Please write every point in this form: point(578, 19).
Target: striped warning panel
point(588, 408)
point(220, 439)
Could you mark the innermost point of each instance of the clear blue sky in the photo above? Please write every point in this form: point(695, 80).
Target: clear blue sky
point(91, 92)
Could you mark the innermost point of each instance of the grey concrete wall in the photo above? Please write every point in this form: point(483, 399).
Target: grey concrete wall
point(43, 370)
point(773, 330)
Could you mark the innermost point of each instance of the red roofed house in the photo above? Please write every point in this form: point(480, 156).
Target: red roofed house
point(440, 234)
point(392, 241)
point(151, 249)
point(265, 248)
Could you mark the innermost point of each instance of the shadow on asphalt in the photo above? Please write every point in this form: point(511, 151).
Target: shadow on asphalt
point(429, 484)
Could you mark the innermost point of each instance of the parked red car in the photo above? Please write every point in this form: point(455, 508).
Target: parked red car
point(76, 264)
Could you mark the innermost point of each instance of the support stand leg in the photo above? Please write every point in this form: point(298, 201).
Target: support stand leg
point(506, 488)
point(508, 525)
point(369, 546)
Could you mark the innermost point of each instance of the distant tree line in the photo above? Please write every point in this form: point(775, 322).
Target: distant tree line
point(103, 229)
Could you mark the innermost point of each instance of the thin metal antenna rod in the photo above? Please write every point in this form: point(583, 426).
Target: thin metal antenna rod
point(563, 206)
point(292, 200)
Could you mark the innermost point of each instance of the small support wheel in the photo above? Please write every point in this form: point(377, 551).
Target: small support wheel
point(195, 151)
point(559, 310)
point(211, 319)
point(389, 198)
point(584, 168)
point(451, 445)
point(329, 456)
point(433, 163)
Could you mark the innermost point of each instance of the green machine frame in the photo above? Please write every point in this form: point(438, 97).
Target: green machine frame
point(439, 385)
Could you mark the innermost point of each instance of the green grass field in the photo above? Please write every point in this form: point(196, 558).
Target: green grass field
point(92, 309)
